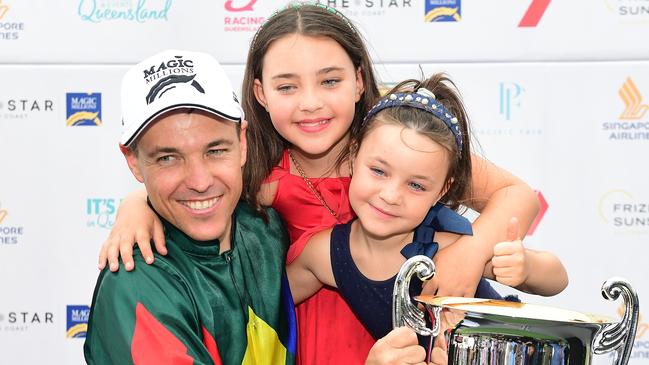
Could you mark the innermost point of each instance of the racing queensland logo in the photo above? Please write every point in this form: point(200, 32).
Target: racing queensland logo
point(139, 11)
point(10, 29)
point(443, 11)
point(633, 121)
point(83, 109)
point(240, 16)
point(624, 211)
point(9, 234)
point(77, 321)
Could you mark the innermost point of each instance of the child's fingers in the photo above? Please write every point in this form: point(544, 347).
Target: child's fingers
point(144, 243)
point(126, 253)
point(159, 237)
point(103, 256)
point(507, 248)
point(400, 337)
point(112, 253)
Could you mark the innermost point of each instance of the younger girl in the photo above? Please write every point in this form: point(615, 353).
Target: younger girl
point(307, 85)
point(408, 157)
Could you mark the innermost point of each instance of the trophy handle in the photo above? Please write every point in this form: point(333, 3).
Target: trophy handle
point(619, 336)
point(404, 312)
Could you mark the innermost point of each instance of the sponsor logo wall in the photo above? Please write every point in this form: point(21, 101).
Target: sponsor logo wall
point(568, 116)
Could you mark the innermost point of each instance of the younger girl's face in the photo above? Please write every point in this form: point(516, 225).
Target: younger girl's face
point(310, 88)
point(398, 175)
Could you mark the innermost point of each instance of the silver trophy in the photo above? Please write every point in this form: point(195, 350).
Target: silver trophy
point(482, 331)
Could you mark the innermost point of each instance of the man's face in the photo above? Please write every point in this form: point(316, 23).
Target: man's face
point(190, 164)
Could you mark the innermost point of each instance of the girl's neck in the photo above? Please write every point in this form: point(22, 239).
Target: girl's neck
point(323, 164)
point(378, 258)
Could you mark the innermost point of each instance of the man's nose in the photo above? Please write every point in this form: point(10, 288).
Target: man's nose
point(198, 176)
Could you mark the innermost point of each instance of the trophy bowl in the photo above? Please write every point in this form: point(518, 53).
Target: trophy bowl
point(483, 331)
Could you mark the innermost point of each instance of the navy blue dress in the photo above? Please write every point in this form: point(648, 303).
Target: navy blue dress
point(371, 300)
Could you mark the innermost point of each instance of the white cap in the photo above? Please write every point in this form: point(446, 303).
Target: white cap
point(171, 80)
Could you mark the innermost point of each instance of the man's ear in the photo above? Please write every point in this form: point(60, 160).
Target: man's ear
point(243, 142)
point(131, 160)
point(360, 86)
point(259, 93)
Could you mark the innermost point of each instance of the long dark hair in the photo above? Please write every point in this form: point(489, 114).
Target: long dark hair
point(458, 177)
point(265, 145)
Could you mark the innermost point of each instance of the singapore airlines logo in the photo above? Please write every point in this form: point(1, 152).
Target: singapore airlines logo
point(633, 107)
point(3, 9)
point(3, 214)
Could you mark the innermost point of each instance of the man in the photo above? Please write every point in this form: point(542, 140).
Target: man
point(219, 295)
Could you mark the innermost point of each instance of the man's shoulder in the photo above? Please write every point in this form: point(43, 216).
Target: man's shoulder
point(160, 271)
point(255, 228)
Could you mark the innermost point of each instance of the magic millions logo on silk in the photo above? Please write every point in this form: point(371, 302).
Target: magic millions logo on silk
point(137, 11)
point(624, 211)
point(632, 123)
point(83, 109)
point(443, 11)
point(370, 8)
point(10, 234)
point(77, 321)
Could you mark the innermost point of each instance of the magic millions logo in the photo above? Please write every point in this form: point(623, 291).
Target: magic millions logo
point(631, 11)
point(24, 107)
point(240, 16)
point(138, 11)
point(510, 108)
point(16, 321)
point(83, 109)
point(624, 212)
point(443, 11)
point(77, 321)
point(10, 29)
point(101, 212)
point(633, 121)
point(369, 8)
point(9, 234)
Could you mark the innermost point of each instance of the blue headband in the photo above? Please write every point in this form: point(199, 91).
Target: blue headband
point(422, 99)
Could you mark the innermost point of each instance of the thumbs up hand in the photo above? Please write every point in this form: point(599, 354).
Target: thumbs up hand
point(509, 262)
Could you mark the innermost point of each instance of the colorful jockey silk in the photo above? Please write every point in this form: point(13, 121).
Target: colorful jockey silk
point(196, 306)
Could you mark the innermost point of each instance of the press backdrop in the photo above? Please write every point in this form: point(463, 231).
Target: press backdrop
point(557, 90)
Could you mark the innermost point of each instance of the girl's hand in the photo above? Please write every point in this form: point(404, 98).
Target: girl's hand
point(137, 224)
point(397, 347)
point(510, 265)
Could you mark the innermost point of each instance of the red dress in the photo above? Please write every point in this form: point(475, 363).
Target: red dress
point(328, 330)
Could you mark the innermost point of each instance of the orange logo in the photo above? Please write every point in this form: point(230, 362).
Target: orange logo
point(633, 107)
point(3, 10)
point(642, 327)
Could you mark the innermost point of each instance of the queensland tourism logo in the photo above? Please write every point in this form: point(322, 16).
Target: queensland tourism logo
point(10, 30)
point(623, 212)
point(368, 8)
point(83, 109)
point(632, 11)
point(21, 321)
point(77, 321)
point(633, 121)
point(443, 11)
point(139, 11)
point(240, 16)
point(9, 234)
point(101, 212)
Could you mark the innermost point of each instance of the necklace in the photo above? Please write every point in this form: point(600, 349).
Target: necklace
point(315, 192)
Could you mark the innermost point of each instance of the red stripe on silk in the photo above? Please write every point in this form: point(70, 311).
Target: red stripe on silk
point(154, 344)
point(211, 346)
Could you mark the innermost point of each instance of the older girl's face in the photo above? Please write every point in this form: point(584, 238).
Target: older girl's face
point(399, 174)
point(309, 87)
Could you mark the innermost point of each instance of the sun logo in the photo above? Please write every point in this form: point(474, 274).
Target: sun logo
point(633, 107)
point(642, 327)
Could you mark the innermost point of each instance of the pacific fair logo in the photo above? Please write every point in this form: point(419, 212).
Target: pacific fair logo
point(633, 106)
point(534, 13)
